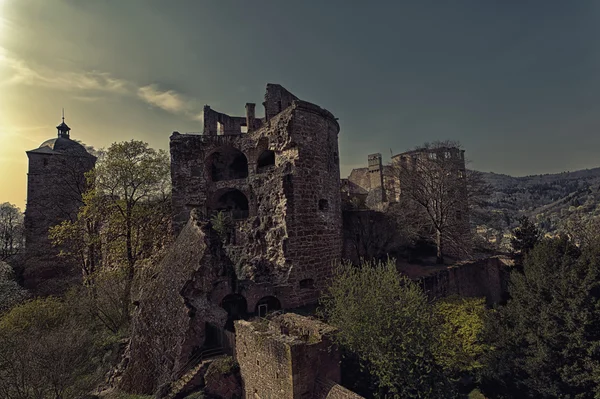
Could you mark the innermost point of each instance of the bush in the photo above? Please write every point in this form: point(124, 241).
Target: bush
point(387, 322)
point(47, 350)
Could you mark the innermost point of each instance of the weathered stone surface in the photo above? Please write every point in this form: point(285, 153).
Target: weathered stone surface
point(480, 278)
point(174, 307)
point(280, 183)
point(283, 357)
point(222, 380)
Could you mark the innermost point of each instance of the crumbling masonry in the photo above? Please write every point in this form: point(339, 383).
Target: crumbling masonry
point(279, 183)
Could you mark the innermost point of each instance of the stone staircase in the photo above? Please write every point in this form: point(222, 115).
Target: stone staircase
point(188, 374)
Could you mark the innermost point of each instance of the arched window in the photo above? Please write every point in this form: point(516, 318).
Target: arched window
point(267, 304)
point(227, 163)
point(231, 201)
point(265, 161)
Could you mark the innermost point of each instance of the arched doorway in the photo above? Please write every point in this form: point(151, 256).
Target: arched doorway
point(266, 305)
point(231, 201)
point(227, 163)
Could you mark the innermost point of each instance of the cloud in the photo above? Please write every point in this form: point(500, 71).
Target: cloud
point(87, 85)
point(170, 101)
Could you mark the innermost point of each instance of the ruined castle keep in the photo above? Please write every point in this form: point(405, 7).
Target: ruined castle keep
point(55, 185)
point(277, 178)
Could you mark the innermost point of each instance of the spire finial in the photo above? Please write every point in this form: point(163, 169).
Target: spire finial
point(63, 114)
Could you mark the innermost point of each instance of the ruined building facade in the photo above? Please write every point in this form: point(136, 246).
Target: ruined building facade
point(55, 185)
point(277, 179)
point(372, 186)
point(376, 184)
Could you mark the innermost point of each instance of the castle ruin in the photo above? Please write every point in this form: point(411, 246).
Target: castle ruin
point(278, 182)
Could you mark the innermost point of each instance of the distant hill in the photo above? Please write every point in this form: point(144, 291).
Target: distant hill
point(550, 200)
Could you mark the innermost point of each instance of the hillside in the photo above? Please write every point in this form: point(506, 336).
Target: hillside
point(551, 200)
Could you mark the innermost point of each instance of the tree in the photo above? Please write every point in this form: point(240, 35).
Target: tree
point(547, 337)
point(461, 345)
point(433, 177)
point(11, 293)
point(126, 214)
point(387, 321)
point(526, 236)
point(11, 230)
point(47, 351)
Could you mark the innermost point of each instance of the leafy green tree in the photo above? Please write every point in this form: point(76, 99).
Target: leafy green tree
point(461, 346)
point(387, 321)
point(547, 337)
point(125, 217)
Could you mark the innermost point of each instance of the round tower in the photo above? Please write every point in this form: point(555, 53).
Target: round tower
point(55, 185)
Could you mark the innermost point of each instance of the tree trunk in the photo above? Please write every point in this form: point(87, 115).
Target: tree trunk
point(438, 241)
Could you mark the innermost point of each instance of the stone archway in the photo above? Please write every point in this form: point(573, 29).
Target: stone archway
point(231, 201)
point(226, 163)
point(267, 304)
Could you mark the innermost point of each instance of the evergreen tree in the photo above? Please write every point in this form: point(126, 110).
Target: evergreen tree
point(547, 337)
point(526, 236)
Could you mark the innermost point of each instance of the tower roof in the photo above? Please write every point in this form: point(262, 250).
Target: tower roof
point(63, 128)
point(62, 144)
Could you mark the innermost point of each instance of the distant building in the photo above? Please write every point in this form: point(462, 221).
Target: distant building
point(55, 185)
point(372, 187)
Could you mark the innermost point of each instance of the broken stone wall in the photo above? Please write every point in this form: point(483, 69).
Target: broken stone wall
point(173, 307)
point(481, 278)
point(284, 357)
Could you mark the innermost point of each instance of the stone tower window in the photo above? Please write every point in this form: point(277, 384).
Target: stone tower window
point(323, 205)
point(227, 163)
point(265, 161)
point(45, 162)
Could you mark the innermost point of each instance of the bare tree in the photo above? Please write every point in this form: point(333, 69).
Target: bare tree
point(434, 178)
point(11, 230)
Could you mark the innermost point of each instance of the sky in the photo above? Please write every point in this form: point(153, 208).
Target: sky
point(516, 82)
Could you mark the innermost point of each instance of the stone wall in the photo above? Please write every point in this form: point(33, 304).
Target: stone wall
point(55, 185)
point(285, 356)
point(481, 278)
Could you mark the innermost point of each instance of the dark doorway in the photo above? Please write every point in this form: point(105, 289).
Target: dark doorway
point(266, 305)
point(212, 336)
point(265, 161)
point(236, 307)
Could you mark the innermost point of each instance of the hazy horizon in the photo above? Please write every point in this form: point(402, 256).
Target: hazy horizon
point(516, 83)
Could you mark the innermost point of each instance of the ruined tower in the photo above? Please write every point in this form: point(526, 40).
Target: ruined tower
point(55, 185)
point(278, 179)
